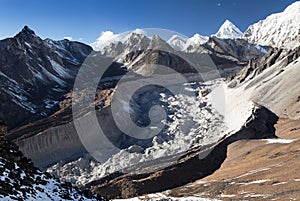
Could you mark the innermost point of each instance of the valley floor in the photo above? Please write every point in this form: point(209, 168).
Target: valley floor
point(255, 169)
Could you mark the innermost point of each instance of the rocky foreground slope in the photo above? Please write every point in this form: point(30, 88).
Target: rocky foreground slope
point(20, 180)
point(255, 169)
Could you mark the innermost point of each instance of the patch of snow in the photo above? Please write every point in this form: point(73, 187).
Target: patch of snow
point(260, 48)
point(252, 172)
point(50, 103)
point(281, 183)
point(10, 79)
point(280, 141)
point(256, 182)
point(61, 71)
point(233, 104)
point(253, 195)
point(23, 175)
point(226, 196)
point(19, 97)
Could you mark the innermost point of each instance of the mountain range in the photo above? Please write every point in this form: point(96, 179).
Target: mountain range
point(277, 30)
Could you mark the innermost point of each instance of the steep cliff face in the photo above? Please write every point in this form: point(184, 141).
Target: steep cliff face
point(52, 145)
point(273, 81)
point(55, 138)
point(257, 66)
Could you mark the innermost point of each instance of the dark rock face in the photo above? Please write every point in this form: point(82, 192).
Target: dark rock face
point(34, 74)
point(20, 180)
point(257, 66)
point(195, 164)
point(228, 53)
point(158, 57)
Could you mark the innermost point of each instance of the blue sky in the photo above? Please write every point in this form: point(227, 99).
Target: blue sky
point(86, 19)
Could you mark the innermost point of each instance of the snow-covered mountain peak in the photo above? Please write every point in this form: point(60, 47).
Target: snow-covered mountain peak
point(193, 42)
point(278, 30)
point(228, 30)
point(108, 37)
point(139, 31)
point(197, 36)
point(105, 39)
point(187, 44)
point(177, 42)
point(197, 39)
point(177, 38)
point(293, 8)
point(227, 23)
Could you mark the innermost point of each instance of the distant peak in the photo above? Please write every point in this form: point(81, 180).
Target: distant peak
point(26, 32)
point(156, 38)
point(177, 37)
point(228, 30)
point(139, 31)
point(227, 23)
point(136, 34)
point(198, 37)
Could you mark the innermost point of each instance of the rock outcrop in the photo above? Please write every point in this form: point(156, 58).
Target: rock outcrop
point(258, 65)
point(20, 180)
point(273, 81)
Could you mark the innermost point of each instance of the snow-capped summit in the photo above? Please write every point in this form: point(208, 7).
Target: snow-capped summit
point(177, 42)
point(195, 41)
point(187, 44)
point(228, 30)
point(108, 37)
point(279, 30)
